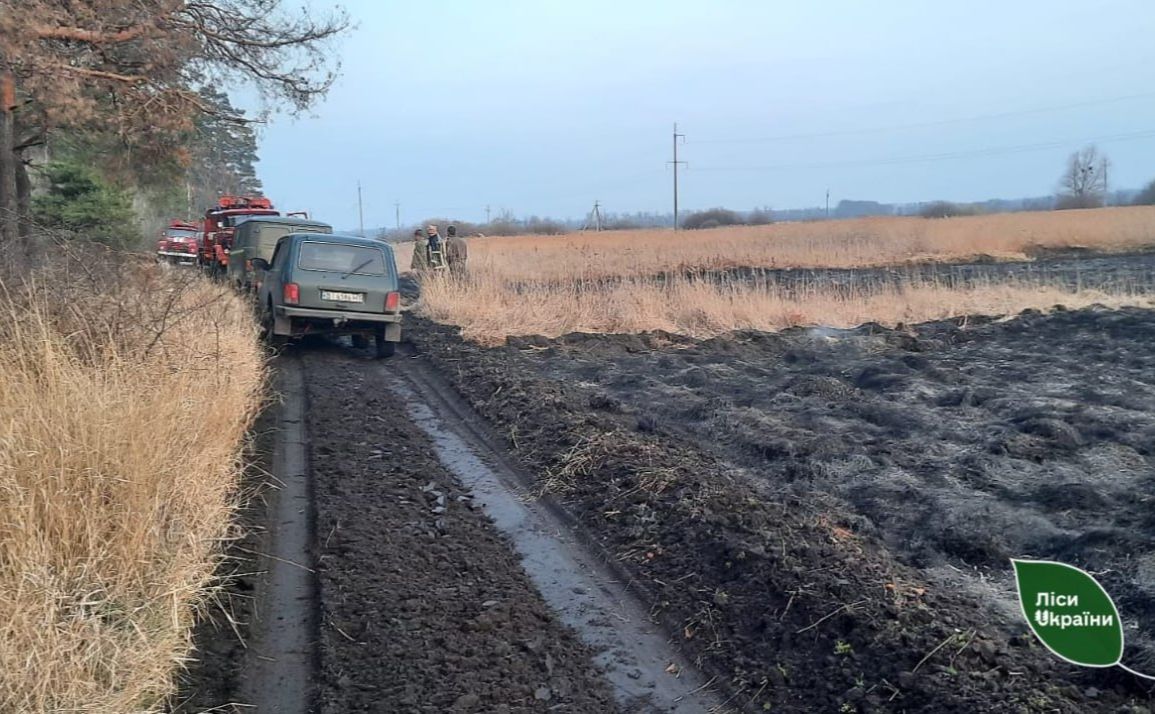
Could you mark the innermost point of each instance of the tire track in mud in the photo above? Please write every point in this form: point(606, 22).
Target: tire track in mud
point(587, 592)
point(424, 607)
point(281, 660)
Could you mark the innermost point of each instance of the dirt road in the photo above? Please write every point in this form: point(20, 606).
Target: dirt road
point(409, 567)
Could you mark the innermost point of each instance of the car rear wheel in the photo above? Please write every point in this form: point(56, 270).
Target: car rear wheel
point(384, 347)
point(268, 323)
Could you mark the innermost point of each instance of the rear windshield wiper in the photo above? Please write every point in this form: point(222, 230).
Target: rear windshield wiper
point(362, 265)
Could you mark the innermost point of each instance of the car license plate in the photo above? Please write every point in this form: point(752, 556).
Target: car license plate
point(342, 297)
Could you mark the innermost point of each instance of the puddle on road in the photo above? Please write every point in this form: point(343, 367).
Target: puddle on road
point(632, 650)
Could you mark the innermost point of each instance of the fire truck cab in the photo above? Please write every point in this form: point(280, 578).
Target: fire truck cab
point(220, 226)
point(178, 243)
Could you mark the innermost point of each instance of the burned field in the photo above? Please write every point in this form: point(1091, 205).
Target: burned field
point(825, 518)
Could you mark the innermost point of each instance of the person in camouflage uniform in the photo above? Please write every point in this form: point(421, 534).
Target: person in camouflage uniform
point(456, 252)
point(420, 262)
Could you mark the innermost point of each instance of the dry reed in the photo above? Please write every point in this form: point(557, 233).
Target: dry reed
point(489, 309)
point(838, 244)
point(629, 281)
point(123, 411)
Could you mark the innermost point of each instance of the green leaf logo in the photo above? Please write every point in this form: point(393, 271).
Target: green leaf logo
point(1070, 612)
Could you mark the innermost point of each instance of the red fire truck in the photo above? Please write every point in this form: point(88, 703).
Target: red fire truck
point(220, 224)
point(178, 243)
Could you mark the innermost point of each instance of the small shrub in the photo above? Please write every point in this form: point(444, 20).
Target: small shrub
point(1070, 202)
point(713, 218)
point(946, 209)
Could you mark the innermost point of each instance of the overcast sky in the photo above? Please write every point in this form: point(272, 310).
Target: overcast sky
point(541, 107)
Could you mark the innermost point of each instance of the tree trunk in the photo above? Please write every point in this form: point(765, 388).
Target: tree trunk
point(23, 197)
point(9, 205)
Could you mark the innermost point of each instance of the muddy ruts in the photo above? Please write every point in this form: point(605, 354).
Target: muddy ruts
point(424, 608)
point(216, 675)
point(786, 594)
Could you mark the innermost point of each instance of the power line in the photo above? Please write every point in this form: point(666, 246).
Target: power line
point(923, 125)
point(973, 153)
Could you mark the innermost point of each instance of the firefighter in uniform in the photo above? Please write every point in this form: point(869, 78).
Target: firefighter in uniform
point(420, 262)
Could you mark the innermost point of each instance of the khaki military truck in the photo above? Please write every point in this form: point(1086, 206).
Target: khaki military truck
point(257, 237)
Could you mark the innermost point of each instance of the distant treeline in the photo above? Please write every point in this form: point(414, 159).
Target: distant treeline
point(506, 224)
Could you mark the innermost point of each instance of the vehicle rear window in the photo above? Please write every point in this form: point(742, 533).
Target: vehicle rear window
point(178, 233)
point(339, 258)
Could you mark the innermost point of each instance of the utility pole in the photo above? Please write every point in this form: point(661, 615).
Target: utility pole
point(397, 213)
point(487, 215)
point(597, 216)
point(828, 204)
point(675, 162)
point(360, 210)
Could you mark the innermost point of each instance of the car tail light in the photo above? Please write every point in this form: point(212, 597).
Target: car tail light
point(392, 301)
point(292, 294)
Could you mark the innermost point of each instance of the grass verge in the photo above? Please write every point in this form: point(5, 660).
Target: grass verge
point(125, 397)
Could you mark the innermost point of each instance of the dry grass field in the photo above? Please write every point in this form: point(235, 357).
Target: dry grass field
point(488, 310)
point(614, 282)
point(122, 417)
point(856, 243)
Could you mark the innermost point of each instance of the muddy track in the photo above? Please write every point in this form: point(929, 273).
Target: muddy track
point(218, 668)
point(282, 656)
point(401, 564)
point(577, 577)
point(425, 605)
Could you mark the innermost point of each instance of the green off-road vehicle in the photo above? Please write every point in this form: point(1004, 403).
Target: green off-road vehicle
point(318, 284)
point(257, 237)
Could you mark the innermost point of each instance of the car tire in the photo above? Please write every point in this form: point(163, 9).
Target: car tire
point(273, 340)
point(385, 349)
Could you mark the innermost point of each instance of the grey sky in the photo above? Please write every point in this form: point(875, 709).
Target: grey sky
point(543, 107)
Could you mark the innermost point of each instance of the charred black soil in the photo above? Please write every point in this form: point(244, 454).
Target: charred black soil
point(425, 608)
point(826, 516)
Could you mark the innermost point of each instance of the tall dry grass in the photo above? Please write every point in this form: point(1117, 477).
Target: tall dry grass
point(837, 244)
point(628, 281)
point(124, 400)
point(489, 309)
